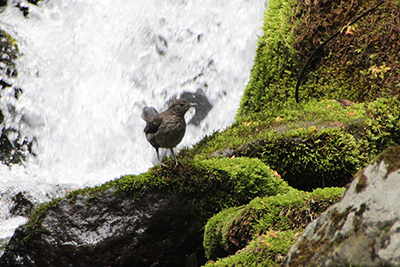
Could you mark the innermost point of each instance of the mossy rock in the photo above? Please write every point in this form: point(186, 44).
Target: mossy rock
point(269, 249)
point(209, 185)
point(313, 144)
point(234, 228)
point(166, 205)
point(360, 64)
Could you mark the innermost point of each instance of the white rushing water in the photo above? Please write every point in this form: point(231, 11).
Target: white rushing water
point(90, 66)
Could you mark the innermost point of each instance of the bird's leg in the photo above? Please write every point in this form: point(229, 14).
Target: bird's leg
point(158, 158)
point(176, 160)
point(158, 155)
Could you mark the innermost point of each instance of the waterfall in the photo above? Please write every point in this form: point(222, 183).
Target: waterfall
point(88, 67)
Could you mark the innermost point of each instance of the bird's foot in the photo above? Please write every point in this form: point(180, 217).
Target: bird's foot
point(178, 162)
point(163, 165)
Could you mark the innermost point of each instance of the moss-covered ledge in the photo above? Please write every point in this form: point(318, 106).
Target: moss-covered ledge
point(212, 184)
point(312, 144)
point(268, 249)
point(233, 229)
point(209, 186)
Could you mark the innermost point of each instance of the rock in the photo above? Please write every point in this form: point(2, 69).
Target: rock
point(363, 229)
point(161, 45)
point(202, 108)
point(156, 218)
point(22, 205)
point(14, 146)
point(112, 230)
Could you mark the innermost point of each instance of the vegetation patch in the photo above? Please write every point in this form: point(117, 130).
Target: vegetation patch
point(233, 229)
point(268, 249)
point(360, 64)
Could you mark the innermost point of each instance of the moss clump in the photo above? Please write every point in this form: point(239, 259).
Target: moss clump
point(382, 129)
point(275, 61)
point(232, 229)
point(289, 118)
point(309, 159)
point(269, 249)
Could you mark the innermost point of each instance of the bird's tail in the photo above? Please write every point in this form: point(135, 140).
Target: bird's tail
point(149, 113)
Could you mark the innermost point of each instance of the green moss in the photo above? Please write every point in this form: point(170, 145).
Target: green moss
point(268, 249)
point(249, 177)
point(362, 181)
point(274, 53)
point(383, 123)
point(279, 123)
point(232, 229)
point(391, 157)
point(35, 219)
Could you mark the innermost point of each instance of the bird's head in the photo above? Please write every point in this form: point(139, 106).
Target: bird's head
point(180, 107)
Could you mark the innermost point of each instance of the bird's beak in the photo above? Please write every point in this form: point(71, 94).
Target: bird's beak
point(193, 105)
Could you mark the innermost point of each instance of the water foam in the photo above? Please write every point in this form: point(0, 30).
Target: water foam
point(89, 67)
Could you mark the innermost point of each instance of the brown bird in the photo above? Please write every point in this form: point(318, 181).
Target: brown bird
point(344, 102)
point(166, 129)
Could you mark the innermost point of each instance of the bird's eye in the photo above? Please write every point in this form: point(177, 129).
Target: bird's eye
point(181, 105)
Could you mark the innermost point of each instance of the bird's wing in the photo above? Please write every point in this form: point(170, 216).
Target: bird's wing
point(149, 113)
point(152, 126)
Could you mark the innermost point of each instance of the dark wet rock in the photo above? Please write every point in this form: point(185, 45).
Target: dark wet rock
point(363, 228)
point(24, 5)
point(161, 45)
point(22, 206)
point(203, 105)
point(113, 230)
point(13, 145)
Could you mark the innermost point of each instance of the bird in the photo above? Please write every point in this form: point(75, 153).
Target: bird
point(166, 129)
point(344, 103)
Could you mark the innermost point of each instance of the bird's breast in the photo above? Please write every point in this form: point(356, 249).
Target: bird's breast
point(170, 132)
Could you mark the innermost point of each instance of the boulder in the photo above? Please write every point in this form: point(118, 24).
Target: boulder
point(111, 230)
point(363, 229)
